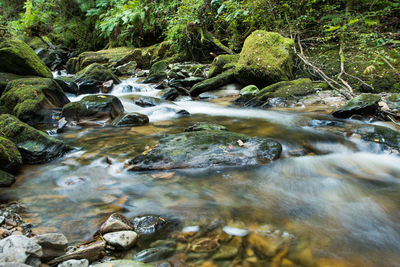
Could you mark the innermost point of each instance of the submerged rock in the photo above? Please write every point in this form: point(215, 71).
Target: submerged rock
point(35, 146)
point(6, 179)
point(202, 126)
point(207, 149)
point(17, 57)
point(154, 254)
point(10, 157)
point(213, 83)
point(380, 134)
point(266, 58)
point(20, 249)
point(100, 108)
point(33, 100)
point(74, 263)
point(364, 104)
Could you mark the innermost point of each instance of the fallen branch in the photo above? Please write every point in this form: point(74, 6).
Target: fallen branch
point(342, 69)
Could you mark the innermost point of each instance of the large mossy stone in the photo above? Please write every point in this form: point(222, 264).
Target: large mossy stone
point(364, 104)
point(5, 78)
point(221, 64)
point(94, 108)
point(214, 83)
point(6, 179)
point(10, 157)
point(95, 72)
point(158, 67)
point(380, 134)
point(201, 149)
point(32, 99)
point(17, 57)
point(35, 146)
point(266, 58)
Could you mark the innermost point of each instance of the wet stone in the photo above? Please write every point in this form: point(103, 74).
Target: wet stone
point(53, 245)
point(204, 245)
point(20, 249)
point(74, 263)
point(122, 263)
point(121, 239)
point(116, 222)
point(148, 226)
point(154, 254)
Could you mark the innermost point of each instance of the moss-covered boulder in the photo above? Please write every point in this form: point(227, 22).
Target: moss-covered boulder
point(6, 179)
point(130, 119)
point(96, 72)
point(158, 67)
point(35, 146)
point(364, 104)
point(380, 134)
point(32, 100)
point(393, 102)
point(249, 90)
point(101, 109)
point(209, 148)
point(67, 84)
point(266, 58)
point(5, 78)
point(213, 83)
point(17, 57)
point(10, 157)
point(222, 63)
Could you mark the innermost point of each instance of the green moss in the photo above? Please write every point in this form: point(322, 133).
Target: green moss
point(380, 134)
point(266, 58)
point(10, 157)
point(202, 126)
point(249, 90)
point(17, 57)
point(159, 66)
point(222, 63)
point(7, 77)
point(364, 104)
point(95, 72)
point(30, 98)
point(213, 83)
point(286, 89)
point(6, 179)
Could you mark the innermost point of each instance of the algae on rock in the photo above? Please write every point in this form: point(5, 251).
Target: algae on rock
point(10, 157)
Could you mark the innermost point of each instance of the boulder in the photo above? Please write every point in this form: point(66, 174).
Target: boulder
point(6, 179)
point(170, 94)
point(121, 263)
point(186, 82)
point(121, 239)
point(67, 84)
point(20, 249)
point(35, 146)
point(251, 90)
point(8, 77)
point(266, 58)
point(17, 57)
point(393, 102)
point(146, 101)
point(364, 104)
point(33, 100)
point(53, 245)
point(100, 108)
point(213, 83)
point(380, 134)
point(10, 157)
point(207, 149)
point(92, 77)
point(116, 222)
point(130, 119)
point(156, 77)
point(222, 63)
point(159, 66)
point(126, 69)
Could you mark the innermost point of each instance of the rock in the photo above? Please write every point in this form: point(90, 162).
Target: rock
point(204, 244)
point(266, 58)
point(17, 57)
point(393, 102)
point(267, 246)
point(95, 73)
point(126, 69)
point(156, 77)
point(222, 63)
point(249, 90)
point(364, 104)
point(89, 87)
point(130, 119)
point(94, 108)
point(127, 89)
point(380, 134)
point(53, 245)
point(20, 249)
point(121, 263)
point(159, 66)
point(202, 126)
point(228, 251)
point(213, 83)
point(170, 94)
point(148, 226)
point(67, 84)
point(107, 86)
point(163, 243)
point(33, 100)
point(147, 101)
point(10, 157)
point(35, 146)
point(6, 179)
point(91, 252)
point(154, 254)
point(74, 263)
point(116, 222)
point(324, 123)
point(121, 239)
point(186, 82)
point(207, 149)
point(5, 78)
point(13, 264)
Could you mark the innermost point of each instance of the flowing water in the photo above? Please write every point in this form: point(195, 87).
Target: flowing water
point(332, 191)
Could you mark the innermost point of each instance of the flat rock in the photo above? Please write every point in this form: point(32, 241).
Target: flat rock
point(53, 245)
point(364, 104)
point(20, 249)
point(121, 239)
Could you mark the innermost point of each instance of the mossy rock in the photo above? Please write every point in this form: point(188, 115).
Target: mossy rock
point(31, 99)
point(207, 148)
point(6, 179)
point(67, 84)
point(393, 101)
point(266, 58)
point(159, 66)
point(249, 90)
point(97, 73)
point(5, 78)
point(214, 83)
point(222, 63)
point(364, 104)
point(17, 57)
point(130, 119)
point(380, 134)
point(10, 157)
point(202, 126)
point(35, 146)
point(147, 101)
point(102, 108)
point(156, 77)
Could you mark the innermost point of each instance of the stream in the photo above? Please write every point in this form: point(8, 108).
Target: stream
point(336, 194)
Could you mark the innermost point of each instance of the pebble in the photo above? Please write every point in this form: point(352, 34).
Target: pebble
point(121, 239)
